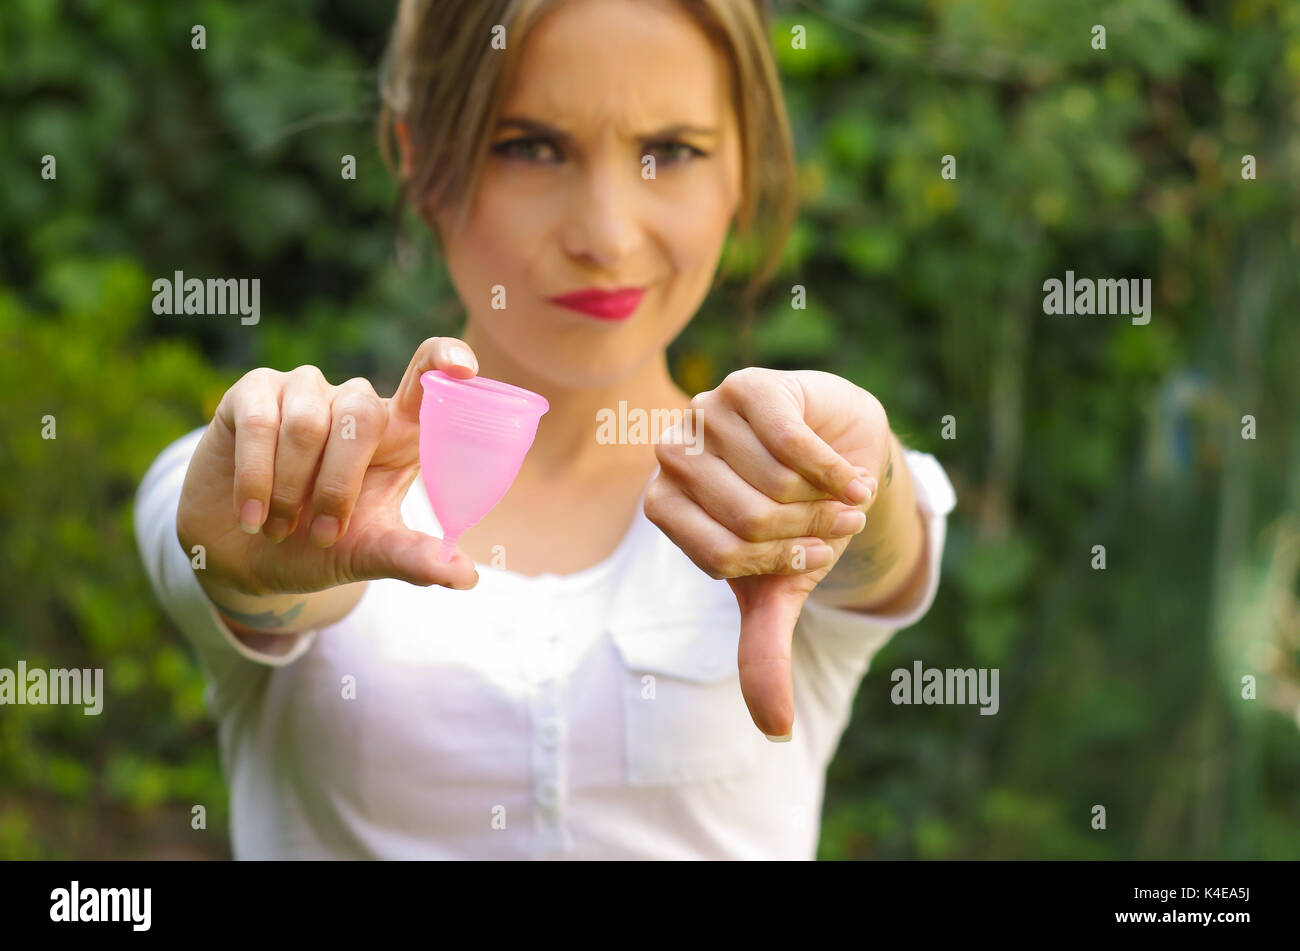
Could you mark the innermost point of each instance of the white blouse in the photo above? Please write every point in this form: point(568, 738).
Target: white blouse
point(595, 715)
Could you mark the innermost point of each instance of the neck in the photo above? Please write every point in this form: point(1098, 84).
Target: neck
point(566, 448)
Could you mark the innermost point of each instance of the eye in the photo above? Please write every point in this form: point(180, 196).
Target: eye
point(521, 148)
point(682, 151)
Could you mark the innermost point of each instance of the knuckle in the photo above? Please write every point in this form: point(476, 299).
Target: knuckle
point(332, 496)
point(783, 557)
point(306, 427)
point(257, 375)
point(751, 524)
point(252, 482)
point(358, 387)
point(285, 502)
point(742, 377)
point(786, 486)
point(710, 568)
point(719, 559)
point(784, 437)
point(258, 423)
point(367, 410)
point(823, 519)
point(353, 565)
point(653, 505)
point(672, 460)
point(309, 372)
point(827, 473)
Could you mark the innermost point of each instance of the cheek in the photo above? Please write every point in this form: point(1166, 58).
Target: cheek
point(698, 223)
point(708, 209)
point(500, 236)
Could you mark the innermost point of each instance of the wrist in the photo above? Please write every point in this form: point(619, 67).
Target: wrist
point(884, 559)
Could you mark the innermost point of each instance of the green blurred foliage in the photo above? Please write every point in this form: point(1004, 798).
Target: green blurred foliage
point(1119, 687)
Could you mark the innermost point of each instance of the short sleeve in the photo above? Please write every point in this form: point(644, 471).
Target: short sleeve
point(232, 665)
point(858, 635)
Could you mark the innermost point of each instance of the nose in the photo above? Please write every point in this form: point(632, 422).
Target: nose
point(603, 226)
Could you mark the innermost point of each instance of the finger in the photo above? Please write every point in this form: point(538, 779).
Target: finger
point(452, 356)
point(731, 437)
point(716, 550)
point(410, 556)
point(304, 430)
point(250, 411)
point(777, 421)
point(769, 610)
point(750, 514)
point(359, 420)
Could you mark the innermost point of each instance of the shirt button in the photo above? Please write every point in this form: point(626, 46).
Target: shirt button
point(548, 733)
point(547, 793)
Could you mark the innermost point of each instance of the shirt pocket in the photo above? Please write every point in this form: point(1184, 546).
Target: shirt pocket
point(685, 719)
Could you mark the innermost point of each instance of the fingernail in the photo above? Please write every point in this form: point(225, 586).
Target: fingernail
point(849, 523)
point(817, 556)
point(277, 529)
point(324, 530)
point(461, 357)
point(862, 488)
point(780, 739)
point(250, 517)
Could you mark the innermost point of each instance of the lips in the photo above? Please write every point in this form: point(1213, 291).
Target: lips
point(613, 304)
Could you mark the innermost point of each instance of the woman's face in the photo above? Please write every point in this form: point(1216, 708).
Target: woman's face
point(564, 204)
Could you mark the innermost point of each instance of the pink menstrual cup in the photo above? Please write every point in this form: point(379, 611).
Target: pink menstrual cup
point(474, 435)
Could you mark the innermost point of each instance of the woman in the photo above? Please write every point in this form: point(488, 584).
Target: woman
point(578, 682)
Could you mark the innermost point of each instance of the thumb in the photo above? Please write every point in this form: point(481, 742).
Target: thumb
point(769, 609)
point(411, 556)
point(448, 354)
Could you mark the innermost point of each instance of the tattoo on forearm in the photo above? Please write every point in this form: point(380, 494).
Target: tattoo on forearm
point(862, 564)
point(858, 566)
point(264, 619)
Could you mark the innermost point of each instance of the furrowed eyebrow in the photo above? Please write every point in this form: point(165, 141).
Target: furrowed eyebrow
point(534, 127)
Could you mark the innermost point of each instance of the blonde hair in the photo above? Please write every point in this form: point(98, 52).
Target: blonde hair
point(436, 78)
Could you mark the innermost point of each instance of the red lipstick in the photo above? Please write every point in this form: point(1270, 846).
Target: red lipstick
point(613, 304)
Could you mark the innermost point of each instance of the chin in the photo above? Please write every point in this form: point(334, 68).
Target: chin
point(585, 368)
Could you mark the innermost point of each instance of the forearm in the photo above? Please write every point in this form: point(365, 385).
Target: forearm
point(884, 564)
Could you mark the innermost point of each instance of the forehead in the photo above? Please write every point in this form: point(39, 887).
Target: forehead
point(630, 64)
